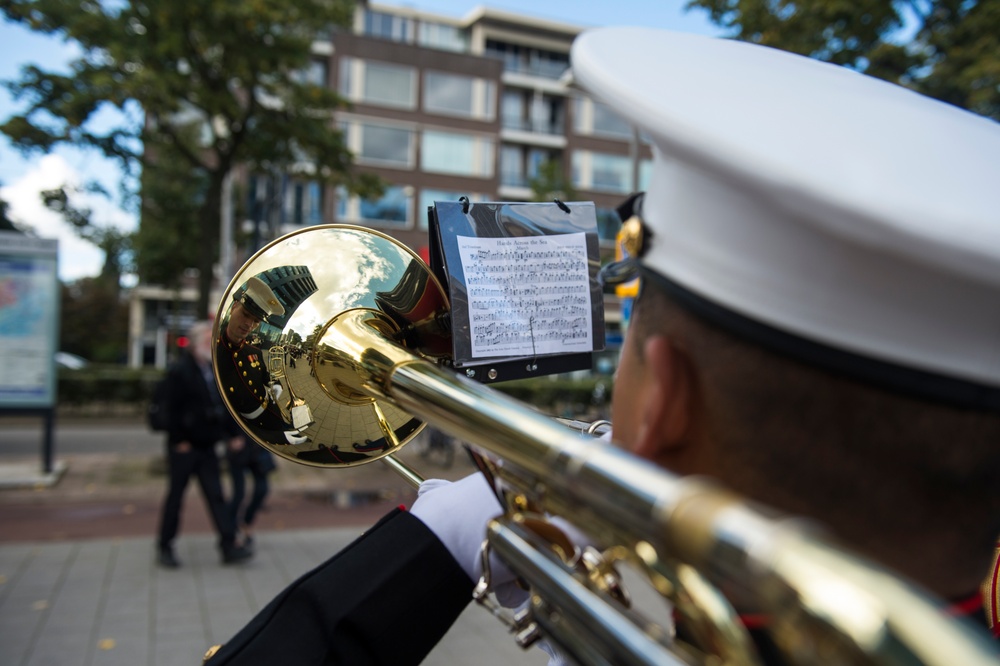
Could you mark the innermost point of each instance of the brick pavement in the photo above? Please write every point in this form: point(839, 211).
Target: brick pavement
point(103, 602)
point(78, 582)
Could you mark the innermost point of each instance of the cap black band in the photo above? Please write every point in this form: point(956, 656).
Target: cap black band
point(881, 374)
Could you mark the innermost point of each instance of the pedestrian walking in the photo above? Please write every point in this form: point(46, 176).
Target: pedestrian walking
point(197, 422)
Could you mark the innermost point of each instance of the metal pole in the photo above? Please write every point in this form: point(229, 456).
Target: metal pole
point(47, 445)
point(226, 252)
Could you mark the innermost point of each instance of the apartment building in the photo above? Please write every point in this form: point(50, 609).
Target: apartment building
point(444, 107)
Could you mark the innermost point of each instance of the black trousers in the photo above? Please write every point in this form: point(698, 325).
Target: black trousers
point(238, 473)
point(204, 464)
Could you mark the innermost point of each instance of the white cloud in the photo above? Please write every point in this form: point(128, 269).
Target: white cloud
point(77, 258)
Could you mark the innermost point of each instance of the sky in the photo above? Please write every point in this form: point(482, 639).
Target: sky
point(23, 177)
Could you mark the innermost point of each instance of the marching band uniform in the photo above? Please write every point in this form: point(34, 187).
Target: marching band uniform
point(385, 599)
point(244, 376)
point(991, 593)
point(804, 207)
point(247, 384)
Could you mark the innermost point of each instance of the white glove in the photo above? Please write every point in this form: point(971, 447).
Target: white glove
point(276, 391)
point(293, 438)
point(458, 513)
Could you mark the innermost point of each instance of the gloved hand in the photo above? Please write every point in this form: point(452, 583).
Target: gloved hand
point(276, 391)
point(458, 512)
point(294, 438)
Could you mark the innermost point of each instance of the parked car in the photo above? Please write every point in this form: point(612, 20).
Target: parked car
point(70, 361)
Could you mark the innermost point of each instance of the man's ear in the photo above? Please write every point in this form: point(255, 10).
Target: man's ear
point(668, 403)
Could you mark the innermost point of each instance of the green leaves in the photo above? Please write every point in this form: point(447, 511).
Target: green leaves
point(947, 49)
point(218, 84)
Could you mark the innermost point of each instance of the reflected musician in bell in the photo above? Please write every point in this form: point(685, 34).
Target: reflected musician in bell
point(817, 329)
point(242, 366)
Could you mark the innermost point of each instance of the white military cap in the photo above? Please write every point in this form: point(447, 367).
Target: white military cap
point(849, 220)
point(260, 299)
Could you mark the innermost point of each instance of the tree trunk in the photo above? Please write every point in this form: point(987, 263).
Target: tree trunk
point(208, 246)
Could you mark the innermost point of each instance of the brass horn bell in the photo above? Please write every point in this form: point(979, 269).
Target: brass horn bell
point(294, 356)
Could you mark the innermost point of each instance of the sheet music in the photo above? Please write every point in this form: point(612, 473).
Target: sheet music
point(528, 296)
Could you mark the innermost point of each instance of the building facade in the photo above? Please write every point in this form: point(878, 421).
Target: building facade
point(445, 107)
point(478, 106)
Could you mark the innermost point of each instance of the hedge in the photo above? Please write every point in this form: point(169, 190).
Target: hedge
point(102, 390)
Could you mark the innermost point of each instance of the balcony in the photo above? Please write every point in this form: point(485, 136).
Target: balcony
point(534, 126)
point(533, 133)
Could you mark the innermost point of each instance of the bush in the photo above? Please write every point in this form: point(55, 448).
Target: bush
point(105, 390)
point(561, 396)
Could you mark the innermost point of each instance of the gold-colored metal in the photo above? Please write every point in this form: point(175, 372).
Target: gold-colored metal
point(337, 286)
point(632, 236)
point(364, 342)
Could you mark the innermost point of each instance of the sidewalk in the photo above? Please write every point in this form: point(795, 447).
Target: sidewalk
point(78, 582)
point(103, 602)
point(119, 494)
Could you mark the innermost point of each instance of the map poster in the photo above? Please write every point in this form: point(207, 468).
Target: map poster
point(29, 309)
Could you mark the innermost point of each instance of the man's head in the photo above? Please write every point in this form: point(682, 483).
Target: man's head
point(200, 335)
point(817, 324)
point(253, 302)
point(242, 322)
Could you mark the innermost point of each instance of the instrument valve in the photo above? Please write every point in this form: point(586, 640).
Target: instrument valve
point(527, 631)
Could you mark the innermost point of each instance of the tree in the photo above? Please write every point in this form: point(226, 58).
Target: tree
point(93, 321)
point(947, 49)
point(116, 244)
point(218, 83)
point(7, 223)
point(551, 183)
point(172, 192)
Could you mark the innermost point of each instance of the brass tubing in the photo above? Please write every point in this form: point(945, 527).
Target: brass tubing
point(598, 484)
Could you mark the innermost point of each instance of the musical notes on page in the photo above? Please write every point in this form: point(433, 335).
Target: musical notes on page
point(528, 296)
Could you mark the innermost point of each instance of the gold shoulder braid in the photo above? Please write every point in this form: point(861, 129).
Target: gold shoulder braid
point(211, 652)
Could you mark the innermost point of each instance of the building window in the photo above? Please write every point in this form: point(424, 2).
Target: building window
point(532, 112)
point(512, 167)
point(528, 60)
point(442, 36)
point(457, 95)
point(314, 73)
point(593, 118)
point(608, 224)
point(428, 197)
point(388, 26)
point(459, 154)
point(602, 172)
point(303, 203)
point(512, 115)
point(380, 145)
point(392, 209)
point(645, 171)
point(378, 83)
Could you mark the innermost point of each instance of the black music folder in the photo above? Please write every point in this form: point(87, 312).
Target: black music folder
point(522, 280)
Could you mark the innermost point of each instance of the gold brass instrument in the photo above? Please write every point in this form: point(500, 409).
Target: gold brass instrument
point(364, 341)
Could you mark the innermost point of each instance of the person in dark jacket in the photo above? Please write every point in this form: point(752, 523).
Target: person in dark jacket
point(198, 421)
point(246, 458)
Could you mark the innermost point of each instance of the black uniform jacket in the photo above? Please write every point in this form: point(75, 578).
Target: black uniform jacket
point(245, 380)
point(387, 598)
